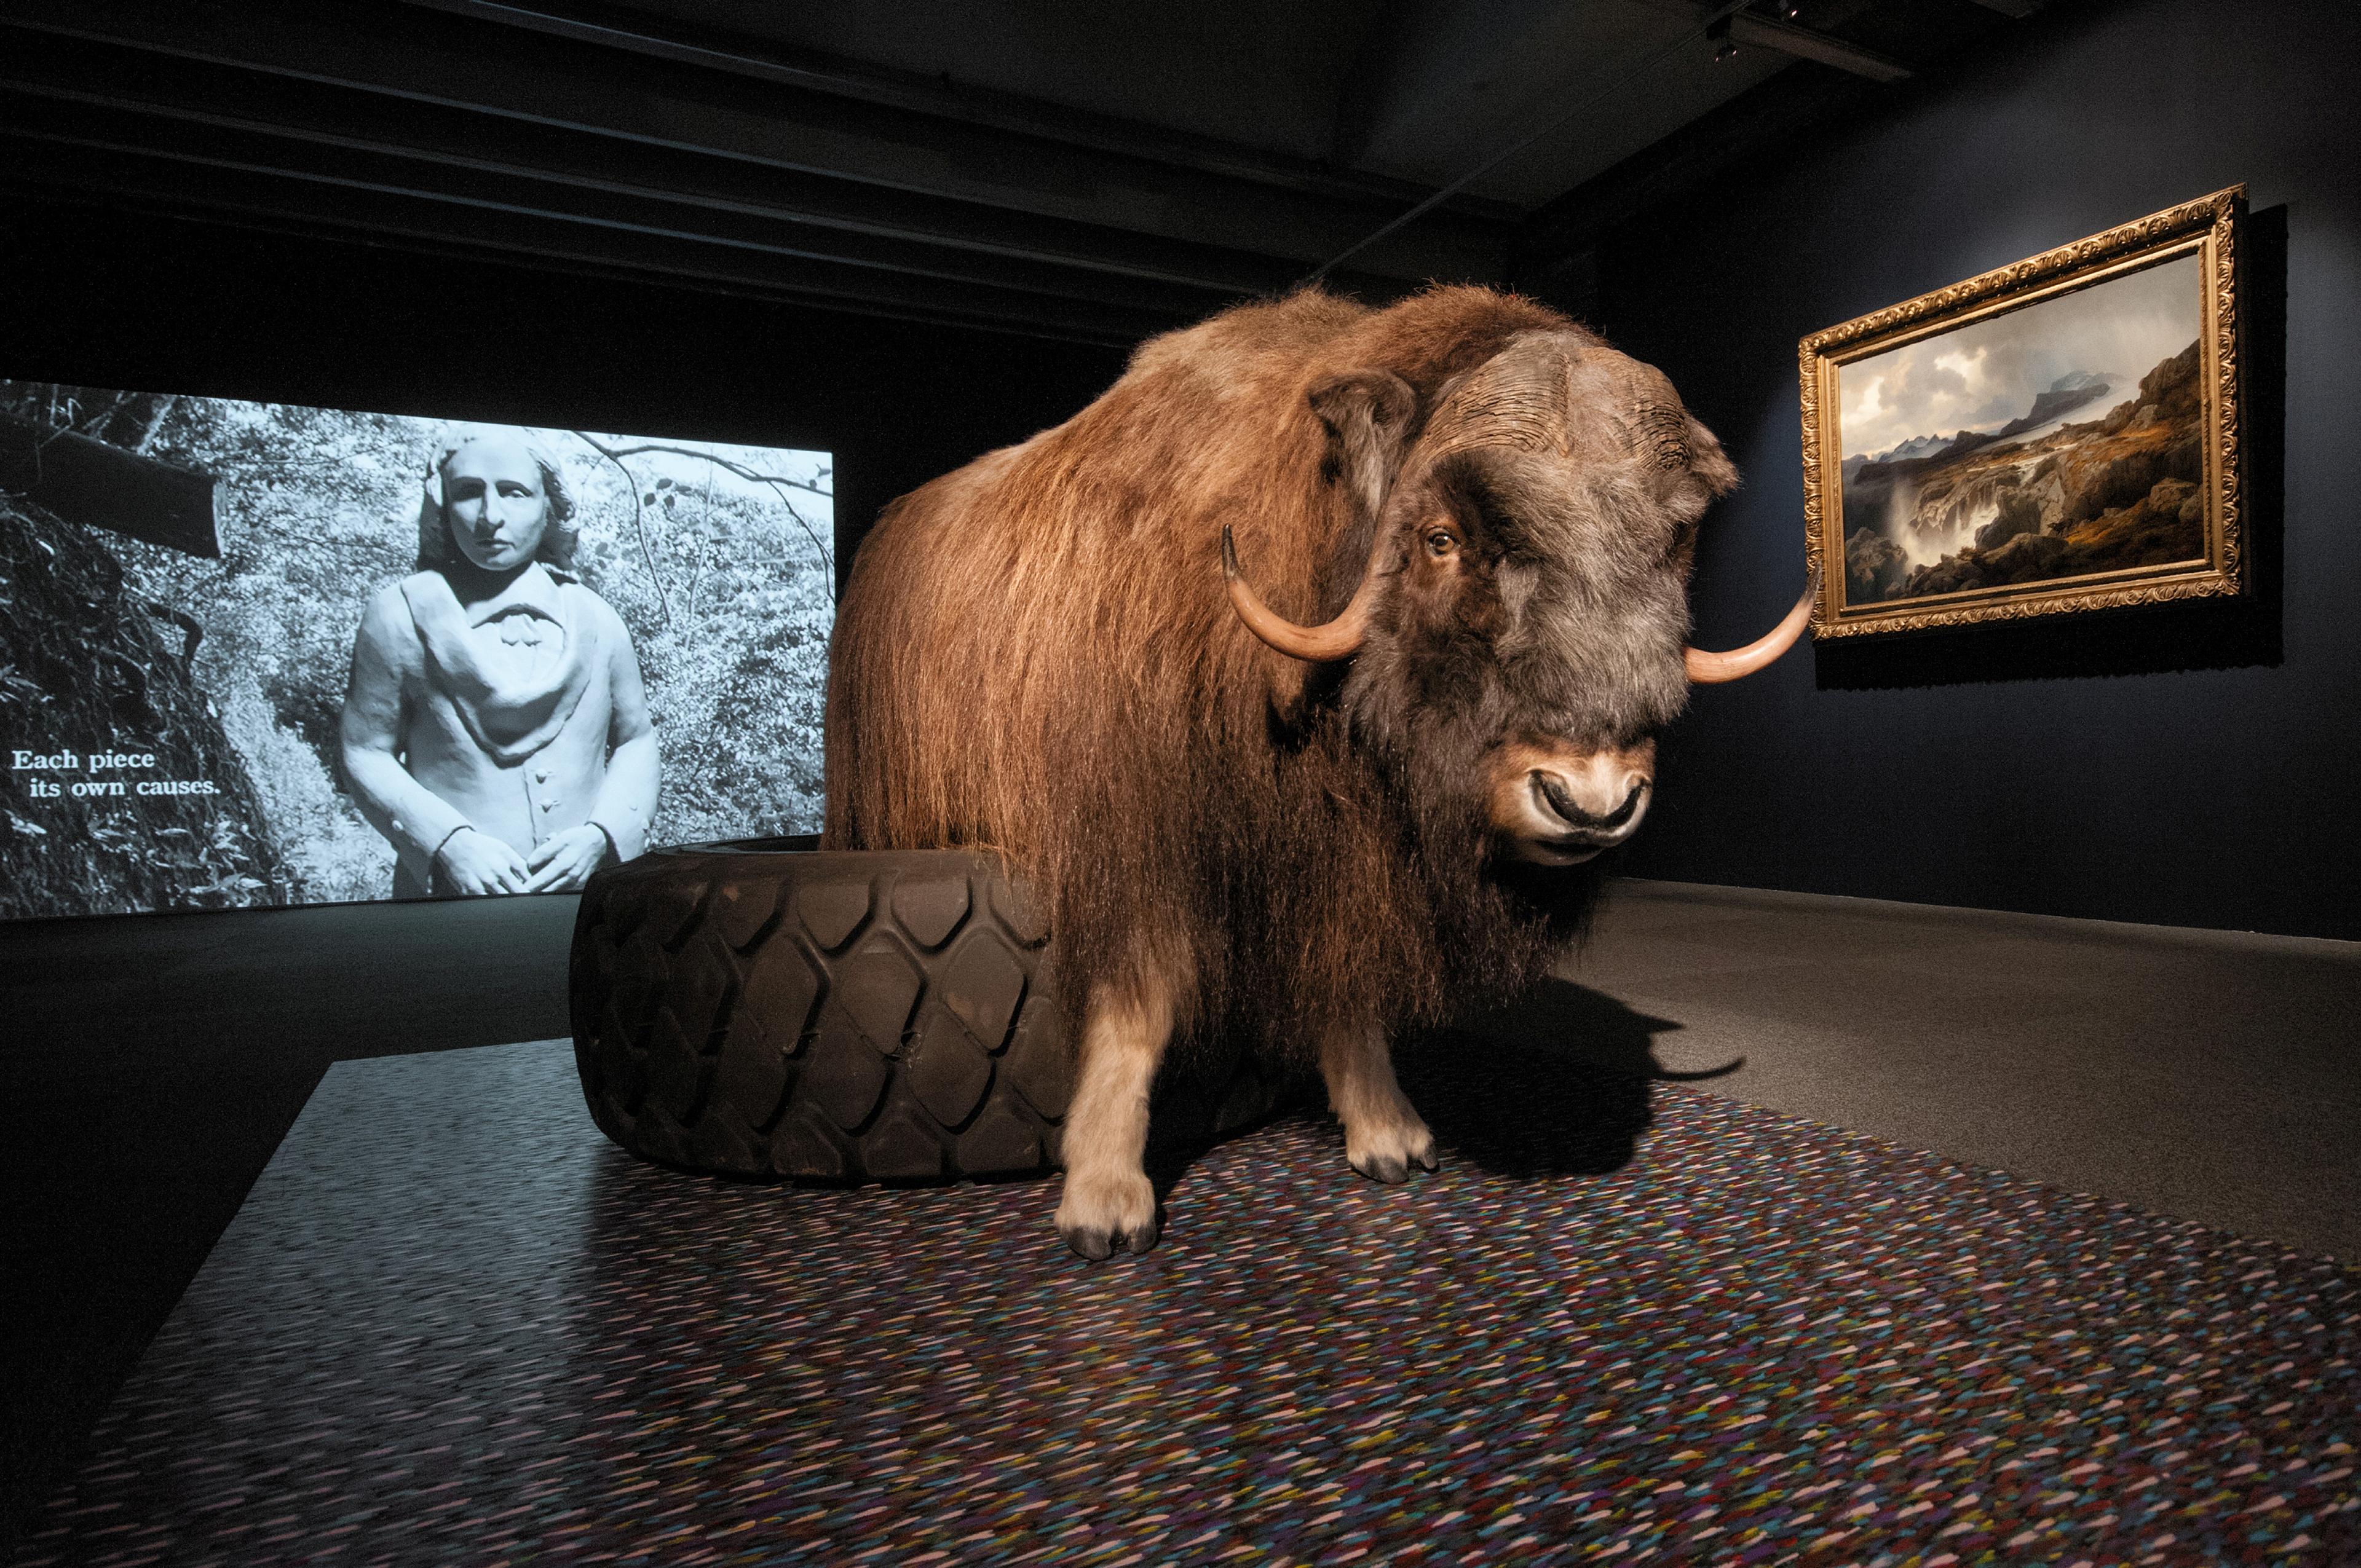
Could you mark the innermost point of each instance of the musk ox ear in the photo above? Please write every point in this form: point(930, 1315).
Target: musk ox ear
point(1368, 415)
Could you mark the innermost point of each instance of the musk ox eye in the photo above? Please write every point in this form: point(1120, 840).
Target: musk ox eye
point(1440, 543)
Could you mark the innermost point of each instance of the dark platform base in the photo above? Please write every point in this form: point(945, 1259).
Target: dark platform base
point(453, 1324)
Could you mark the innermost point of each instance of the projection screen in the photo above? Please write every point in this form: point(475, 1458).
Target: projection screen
point(261, 654)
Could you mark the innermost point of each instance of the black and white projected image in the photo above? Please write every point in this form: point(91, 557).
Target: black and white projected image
point(262, 654)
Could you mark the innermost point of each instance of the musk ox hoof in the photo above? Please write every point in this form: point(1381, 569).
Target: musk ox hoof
point(1389, 1156)
point(1098, 1247)
point(1103, 1215)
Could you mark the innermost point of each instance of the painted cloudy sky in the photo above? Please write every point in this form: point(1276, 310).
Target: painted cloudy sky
point(1985, 374)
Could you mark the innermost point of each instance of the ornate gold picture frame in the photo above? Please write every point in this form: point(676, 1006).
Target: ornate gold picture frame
point(1972, 455)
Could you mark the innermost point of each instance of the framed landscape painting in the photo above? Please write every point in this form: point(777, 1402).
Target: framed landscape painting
point(2058, 435)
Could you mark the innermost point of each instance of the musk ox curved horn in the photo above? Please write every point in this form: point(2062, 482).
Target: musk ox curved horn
point(1711, 669)
point(1339, 639)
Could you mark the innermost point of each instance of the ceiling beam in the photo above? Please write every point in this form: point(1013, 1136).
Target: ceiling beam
point(411, 54)
point(205, 185)
point(309, 115)
point(942, 97)
point(1806, 43)
point(202, 152)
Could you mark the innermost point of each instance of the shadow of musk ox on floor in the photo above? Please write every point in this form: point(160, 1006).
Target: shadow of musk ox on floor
point(1553, 1084)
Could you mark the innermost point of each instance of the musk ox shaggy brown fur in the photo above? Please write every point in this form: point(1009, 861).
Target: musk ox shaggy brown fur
point(1305, 836)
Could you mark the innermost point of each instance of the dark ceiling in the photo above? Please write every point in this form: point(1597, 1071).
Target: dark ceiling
point(1094, 172)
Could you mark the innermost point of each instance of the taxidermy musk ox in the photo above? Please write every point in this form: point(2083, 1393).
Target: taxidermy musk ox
point(1307, 811)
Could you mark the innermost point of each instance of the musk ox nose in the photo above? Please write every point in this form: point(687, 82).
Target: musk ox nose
point(1563, 805)
point(1580, 806)
point(1558, 805)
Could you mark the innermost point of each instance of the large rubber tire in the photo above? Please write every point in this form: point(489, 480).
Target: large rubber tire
point(765, 1009)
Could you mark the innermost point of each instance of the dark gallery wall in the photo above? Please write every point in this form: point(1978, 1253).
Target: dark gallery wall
point(2193, 766)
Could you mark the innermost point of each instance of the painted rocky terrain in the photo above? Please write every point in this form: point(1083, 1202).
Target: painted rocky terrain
point(2023, 504)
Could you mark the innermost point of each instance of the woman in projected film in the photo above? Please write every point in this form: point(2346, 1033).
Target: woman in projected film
point(495, 731)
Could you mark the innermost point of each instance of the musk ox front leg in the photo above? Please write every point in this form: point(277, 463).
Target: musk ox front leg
point(1109, 1204)
point(1384, 1134)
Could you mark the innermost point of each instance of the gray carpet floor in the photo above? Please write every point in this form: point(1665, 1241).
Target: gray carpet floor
point(2211, 1076)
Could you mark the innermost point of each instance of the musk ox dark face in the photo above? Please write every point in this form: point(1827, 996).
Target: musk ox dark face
point(1526, 605)
point(1530, 646)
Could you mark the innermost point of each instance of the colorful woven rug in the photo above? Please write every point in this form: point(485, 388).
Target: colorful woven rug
point(1626, 1322)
